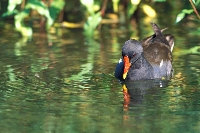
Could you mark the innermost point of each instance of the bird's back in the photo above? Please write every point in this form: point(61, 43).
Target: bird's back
point(157, 51)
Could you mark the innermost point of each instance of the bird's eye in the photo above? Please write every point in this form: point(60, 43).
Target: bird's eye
point(133, 55)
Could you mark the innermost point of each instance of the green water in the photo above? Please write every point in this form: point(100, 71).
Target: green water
point(65, 84)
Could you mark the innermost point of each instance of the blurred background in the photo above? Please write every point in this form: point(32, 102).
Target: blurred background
point(93, 15)
point(58, 59)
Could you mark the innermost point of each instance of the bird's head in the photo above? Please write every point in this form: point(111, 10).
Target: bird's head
point(131, 52)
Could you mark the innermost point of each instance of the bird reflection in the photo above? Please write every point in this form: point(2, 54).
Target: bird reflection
point(135, 91)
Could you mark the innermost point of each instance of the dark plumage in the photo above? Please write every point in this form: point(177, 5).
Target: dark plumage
point(148, 59)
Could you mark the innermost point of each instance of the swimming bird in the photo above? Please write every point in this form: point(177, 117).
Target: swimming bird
point(151, 58)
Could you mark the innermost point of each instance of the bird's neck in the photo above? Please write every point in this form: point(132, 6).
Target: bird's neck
point(140, 62)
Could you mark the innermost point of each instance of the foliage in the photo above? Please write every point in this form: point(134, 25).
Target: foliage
point(160, 0)
point(94, 12)
point(35, 5)
point(93, 20)
point(49, 13)
point(91, 24)
point(182, 14)
point(132, 7)
point(196, 2)
point(11, 7)
point(115, 5)
point(55, 8)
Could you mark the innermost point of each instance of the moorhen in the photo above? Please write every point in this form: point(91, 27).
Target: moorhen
point(150, 58)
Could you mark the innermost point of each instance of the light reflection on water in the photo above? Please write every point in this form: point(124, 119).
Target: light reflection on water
point(68, 86)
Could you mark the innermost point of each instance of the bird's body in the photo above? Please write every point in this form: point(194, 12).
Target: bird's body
point(150, 58)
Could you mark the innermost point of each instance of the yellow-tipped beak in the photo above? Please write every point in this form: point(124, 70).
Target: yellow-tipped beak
point(127, 65)
point(124, 75)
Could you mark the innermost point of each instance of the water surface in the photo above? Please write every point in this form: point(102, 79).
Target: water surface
point(65, 83)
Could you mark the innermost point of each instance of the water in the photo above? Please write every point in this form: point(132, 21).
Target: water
point(65, 83)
